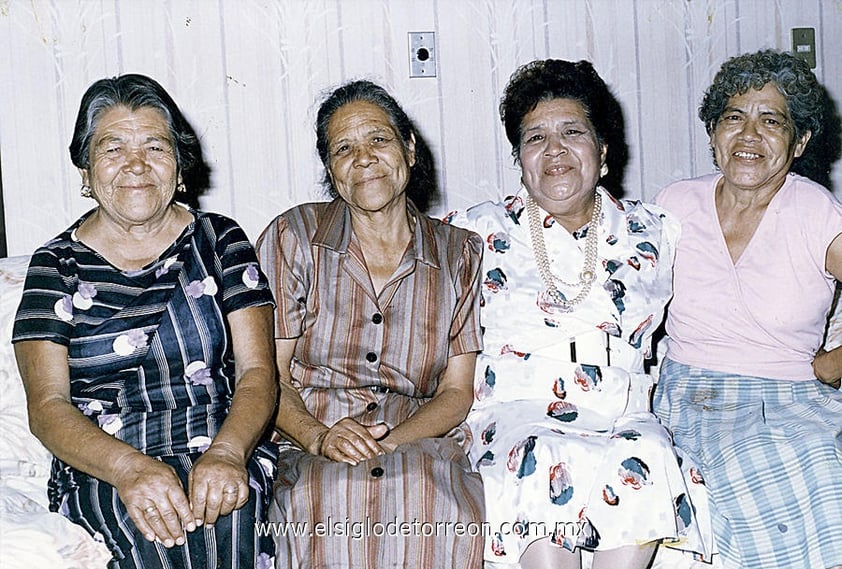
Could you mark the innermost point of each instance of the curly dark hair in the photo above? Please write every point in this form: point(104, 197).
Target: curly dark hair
point(806, 99)
point(422, 186)
point(791, 75)
point(548, 79)
point(134, 91)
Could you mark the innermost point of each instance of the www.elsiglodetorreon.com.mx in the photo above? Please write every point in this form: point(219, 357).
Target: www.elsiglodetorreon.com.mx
point(361, 529)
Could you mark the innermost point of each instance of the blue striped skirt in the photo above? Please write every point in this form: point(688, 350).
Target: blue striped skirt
point(231, 542)
point(771, 455)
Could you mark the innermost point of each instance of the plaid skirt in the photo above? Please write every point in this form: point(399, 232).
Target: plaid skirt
point(771, 455)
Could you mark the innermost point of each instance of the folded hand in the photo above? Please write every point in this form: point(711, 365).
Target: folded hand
point(349, 441)
point(218, 484)
point(154, 498)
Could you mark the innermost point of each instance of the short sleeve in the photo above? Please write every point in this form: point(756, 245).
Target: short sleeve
point(824, 212)
point(280, 255)
point(465, 331)
point(670, 232)
point(45, 311)
point(243, 283)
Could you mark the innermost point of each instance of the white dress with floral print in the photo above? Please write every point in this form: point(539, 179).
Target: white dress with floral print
point(570, 450)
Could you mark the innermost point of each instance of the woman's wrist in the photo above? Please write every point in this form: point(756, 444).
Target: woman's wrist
point(827, 368)
point(315, 445)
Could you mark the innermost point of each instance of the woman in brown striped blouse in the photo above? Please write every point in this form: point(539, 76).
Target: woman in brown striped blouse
point(377, 330)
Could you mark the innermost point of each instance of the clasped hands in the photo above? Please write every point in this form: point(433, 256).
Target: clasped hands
point(157, 503)
point(351, 442)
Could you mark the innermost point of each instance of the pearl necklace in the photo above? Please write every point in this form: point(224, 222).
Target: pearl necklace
point(588, 274)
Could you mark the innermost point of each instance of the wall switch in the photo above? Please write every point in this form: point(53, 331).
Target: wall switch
point(422, 54)
point(804, 45)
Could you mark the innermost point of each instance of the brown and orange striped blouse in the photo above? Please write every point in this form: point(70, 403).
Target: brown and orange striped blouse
point(357, 348)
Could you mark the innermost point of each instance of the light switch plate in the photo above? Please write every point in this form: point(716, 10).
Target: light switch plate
point(804, 45)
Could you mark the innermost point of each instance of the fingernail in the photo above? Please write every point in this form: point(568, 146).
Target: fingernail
point(179, 541)
point(199, 523)
point(168, 542)
point(191, 526)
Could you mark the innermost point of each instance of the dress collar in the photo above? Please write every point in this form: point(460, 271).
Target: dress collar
point(334, 232)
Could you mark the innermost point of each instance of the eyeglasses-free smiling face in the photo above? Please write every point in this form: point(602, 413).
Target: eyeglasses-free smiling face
point(560, 156)
point(754, 140)
point(133, 170)
point(369, 164)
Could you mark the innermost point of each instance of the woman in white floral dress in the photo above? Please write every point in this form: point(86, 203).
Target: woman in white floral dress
point(575, 283)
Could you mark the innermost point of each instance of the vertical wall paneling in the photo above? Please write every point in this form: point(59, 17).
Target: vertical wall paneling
point(249, 74)
point(36, 176)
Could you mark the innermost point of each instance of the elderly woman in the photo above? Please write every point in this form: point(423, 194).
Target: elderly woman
point(574, 284)
point(745, 388)
point(144, 341)
point(377, 329)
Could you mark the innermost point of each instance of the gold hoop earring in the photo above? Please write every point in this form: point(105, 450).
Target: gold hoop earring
point(85, 191)
point(181, 188)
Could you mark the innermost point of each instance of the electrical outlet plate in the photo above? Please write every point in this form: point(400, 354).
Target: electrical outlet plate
point(422, 54)
point(804, 45)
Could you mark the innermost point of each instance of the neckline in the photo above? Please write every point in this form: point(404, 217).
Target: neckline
point(149, 267)
point(715, 213)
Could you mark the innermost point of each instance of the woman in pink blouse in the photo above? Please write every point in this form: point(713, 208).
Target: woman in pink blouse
point(745, 388)
point(377, 330)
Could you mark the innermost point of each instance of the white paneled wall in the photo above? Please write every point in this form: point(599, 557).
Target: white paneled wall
point(248, 72)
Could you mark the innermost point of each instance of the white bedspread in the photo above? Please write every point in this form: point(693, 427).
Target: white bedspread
point(30, 535)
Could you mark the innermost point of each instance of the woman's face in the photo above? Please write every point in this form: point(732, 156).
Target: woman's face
point(560, 156)
point(754, 140)
point(369, 166)
point(133, 170)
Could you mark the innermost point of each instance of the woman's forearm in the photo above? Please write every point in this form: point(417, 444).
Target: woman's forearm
point(296, 423)
point(60, 425)
point(446, 410)
point(293, 420)
point(252, 410)
point(256, 391)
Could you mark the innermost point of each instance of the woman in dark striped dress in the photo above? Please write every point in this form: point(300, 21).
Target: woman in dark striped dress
point(144, 342)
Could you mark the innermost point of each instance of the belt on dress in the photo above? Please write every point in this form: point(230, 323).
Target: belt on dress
point(597, 348)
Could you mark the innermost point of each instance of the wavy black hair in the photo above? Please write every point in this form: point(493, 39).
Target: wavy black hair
point(548, 79)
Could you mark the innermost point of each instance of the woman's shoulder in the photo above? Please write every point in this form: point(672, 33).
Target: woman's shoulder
point(217, 229)
point(635, 209)
point(681, 188)
point(688, 196)
point(488, 216)
point(453, 237)
point(217, 220)
point(645, 220)
point(63, 246)
point(813, 193)
point(301, 220)
point(304, 215)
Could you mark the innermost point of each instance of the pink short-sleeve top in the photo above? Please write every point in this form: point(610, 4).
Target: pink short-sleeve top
point(764, 315)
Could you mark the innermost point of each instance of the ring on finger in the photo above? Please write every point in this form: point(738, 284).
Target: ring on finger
point(229, 491)
point(149, 509)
